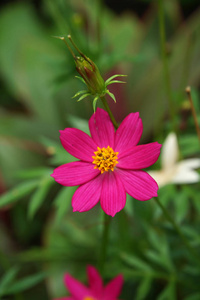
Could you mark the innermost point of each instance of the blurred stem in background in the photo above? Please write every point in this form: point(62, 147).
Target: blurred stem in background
point(104, 242)
point(166, 74)
point(177, 229)
point(4, 261)
point(100, 8)
point(188, 91)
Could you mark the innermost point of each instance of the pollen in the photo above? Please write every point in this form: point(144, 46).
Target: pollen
point(105, 159)
point(89, 298)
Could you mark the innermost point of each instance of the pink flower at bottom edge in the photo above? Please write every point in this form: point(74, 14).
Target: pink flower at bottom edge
point(96, 290)
point(109, 165)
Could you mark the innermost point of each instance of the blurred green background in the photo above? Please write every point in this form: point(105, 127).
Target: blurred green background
point(40, 237)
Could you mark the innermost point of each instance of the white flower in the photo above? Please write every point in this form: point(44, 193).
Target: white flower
point(173, 171)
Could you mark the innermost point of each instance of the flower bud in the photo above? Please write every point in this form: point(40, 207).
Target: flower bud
point(91, 75)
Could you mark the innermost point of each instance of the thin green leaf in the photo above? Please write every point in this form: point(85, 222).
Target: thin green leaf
point(94, 103)
point(26, 283)
point(111, 95)
point(7, 279)
point(80, 78)
point(39, 196)
point(18, 192)
point(182, 205)
point(161, 254)
point(135, 262)
point(114, 76)
point(79, 93)
point(84, 96)
point(115, 81)
point(144, 288)
point(169, 292)
point(160, 259)
point(63, 201)
point(34, 173)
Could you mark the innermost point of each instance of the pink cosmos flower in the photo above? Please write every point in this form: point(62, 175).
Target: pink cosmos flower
point(109, 163)
point(95, 291)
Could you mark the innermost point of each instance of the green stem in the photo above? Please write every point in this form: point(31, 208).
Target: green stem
point(188, 91)
point(103, 99)
point(166, 73)
point(107, 219)
point(104, 243)
point(177, 229)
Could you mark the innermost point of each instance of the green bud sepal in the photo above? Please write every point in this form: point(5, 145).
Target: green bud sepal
point(110, 80)
point(85, 93)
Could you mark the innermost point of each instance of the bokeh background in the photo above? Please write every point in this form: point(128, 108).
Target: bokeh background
point(40, 237)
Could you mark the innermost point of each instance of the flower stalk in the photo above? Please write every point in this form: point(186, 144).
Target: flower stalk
point(104, 243)
point(103, 99)
point(188, 91)
point(166, 73)
point(177, 229)
point(107, 219)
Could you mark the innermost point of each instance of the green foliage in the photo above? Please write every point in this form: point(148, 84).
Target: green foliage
point(18, 192)
point(10, 286)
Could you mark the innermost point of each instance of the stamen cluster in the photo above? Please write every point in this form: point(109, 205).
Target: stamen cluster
point(105, 159)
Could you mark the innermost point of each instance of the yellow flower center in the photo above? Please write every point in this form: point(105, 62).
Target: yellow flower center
point(105, 159)
point(88, 298)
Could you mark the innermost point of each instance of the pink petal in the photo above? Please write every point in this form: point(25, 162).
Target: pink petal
point(113, 288)
point(139, 184)
point(102, 129)
point(139, 157)
point(129, 132)
point(78, 143)
point(113, 195)
point(76, 288)
point(87, 195)
point(75, 173)
point(65, 298)
point(95, 281)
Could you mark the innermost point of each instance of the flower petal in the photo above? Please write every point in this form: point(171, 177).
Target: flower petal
point(113, 288)
point(190, 163)
point(113, 195)
point(75, 173)
point(139, 157)
point(78, 143)
point(139, 184)
point(76, 288)
point(129, 132)
point(95, 281)
point(170, 152)
point(184, 175)
point(102, 129)
point(65, 298)
point(87, 195)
